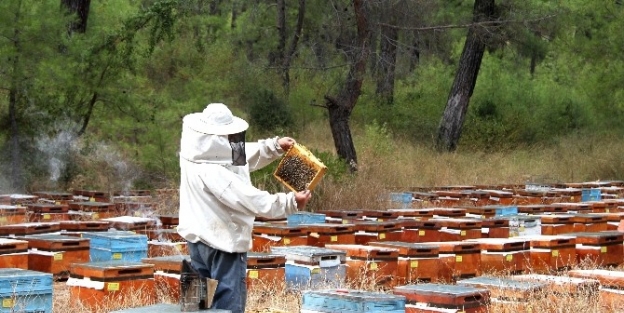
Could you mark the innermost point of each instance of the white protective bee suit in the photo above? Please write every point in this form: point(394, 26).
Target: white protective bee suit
point(218, 203)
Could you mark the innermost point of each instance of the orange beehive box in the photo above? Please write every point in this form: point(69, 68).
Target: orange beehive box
point(458, 229)
point(552, 253)
point(22, 229)
point(265, 269)
point(98, 210)
point(367, 231)
point(321, 234)
point(556, 224)
point(167, 275)
point(157, 248)
point(460, 259)
point(574, 207)
point(45, 212)
point(54, 254)
point(600, 248)
point(342, 216)
point(13, 253)
point(90, 195)
point(420, 214)
point(611, 299)
point(369, 263)
point(162, 234)
point(507, 288)
point(504, 255)
point(300, 161)
point(420, 231)
point(12, 214)
point(380, 215)
point(589, 222)
point(134, 223)
point(496, 227)
point(83, 226)
point(417, 262)
point(112, 284)
point(18, 199)
point(169, 220)
point(56, 197)
point(531, 208)
point(267, 235)
point(449, 212)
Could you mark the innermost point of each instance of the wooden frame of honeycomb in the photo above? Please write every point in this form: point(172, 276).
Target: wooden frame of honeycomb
point(299, 169)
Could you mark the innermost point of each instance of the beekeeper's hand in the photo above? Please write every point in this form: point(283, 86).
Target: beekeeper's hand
point(286, 143)
point(302, 198)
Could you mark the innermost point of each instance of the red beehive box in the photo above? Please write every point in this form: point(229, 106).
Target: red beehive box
point(44, 212)
point(162, 234)
point(83, 226)
point(12, 214)
point(342, 216)
point(167, 271)
point(449, 212)
point(564, 285)
point(22, 229)
point(55, 197)
point(265, 270)
point(499, 197)
point(589, 222)
point(453, 297)
point(552, 253)
point(380, 215)
point(507, 288)
point(321, 234)
point(169, 220)
point(18, 199)
point(460, 259)
point(98, 210)
point(367, 231)
point(556, 224)
point(420, 231)
point(504, 255)
point(600, 248)
point(532, 208)
point(54, 254)
point(112, 284)
point(458, 229)
point(267, 235)
point(419, 214)
point(90, 195)
point(157, 248)
point(417, 262)
point(134, 223)
point(607, 278)
point(13, 253)
point(375, 264)
point(496, 227)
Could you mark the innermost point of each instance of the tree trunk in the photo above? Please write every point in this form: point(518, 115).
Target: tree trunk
point(288, 56)
point(449, 130)
point(278, 55)
point(81, 9)
point(341, 106)
point(387, 64)
point(17, 182)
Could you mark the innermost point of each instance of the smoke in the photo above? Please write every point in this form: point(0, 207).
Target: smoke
point(56, 151)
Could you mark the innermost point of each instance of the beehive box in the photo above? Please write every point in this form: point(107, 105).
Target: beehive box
point(12, 214)
point(13, 253)
point(98, 210)
point(417, 262)
point(507, 288)
point(112, 283)
point(265, 269)
point(53, 253)
point(312, 267)
point(325, 233)
point(25, 291)
point(356, 301)
point(299, 169)
point(445, 296)
point(29, 228)
point(117, 245)
point(167, 274)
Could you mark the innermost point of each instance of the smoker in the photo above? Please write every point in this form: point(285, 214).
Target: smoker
point(196, 292)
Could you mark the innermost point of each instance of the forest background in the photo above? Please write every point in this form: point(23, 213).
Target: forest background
point(387, 93)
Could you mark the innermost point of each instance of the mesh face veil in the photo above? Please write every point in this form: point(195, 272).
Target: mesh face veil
point(237, 142)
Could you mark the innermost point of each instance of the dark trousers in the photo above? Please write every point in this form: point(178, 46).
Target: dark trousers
point(230, 269)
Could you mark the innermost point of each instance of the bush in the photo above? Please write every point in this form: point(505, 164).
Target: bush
point(267, 112)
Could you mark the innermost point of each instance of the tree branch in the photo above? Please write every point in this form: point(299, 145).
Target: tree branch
point(467, 25)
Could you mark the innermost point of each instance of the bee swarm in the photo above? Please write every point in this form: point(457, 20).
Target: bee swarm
point(296, 173)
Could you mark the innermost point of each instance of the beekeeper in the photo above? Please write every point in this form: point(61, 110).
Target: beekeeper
point(218, 203)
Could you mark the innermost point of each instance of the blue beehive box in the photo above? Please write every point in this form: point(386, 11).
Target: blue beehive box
point(504, 210)
point(117, 245)
point(351, 301)
point(591, 194)
point(302, 276)
point(299, 218)
point(25, 291)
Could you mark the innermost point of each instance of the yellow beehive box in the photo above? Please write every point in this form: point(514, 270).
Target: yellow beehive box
point(299, 169)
